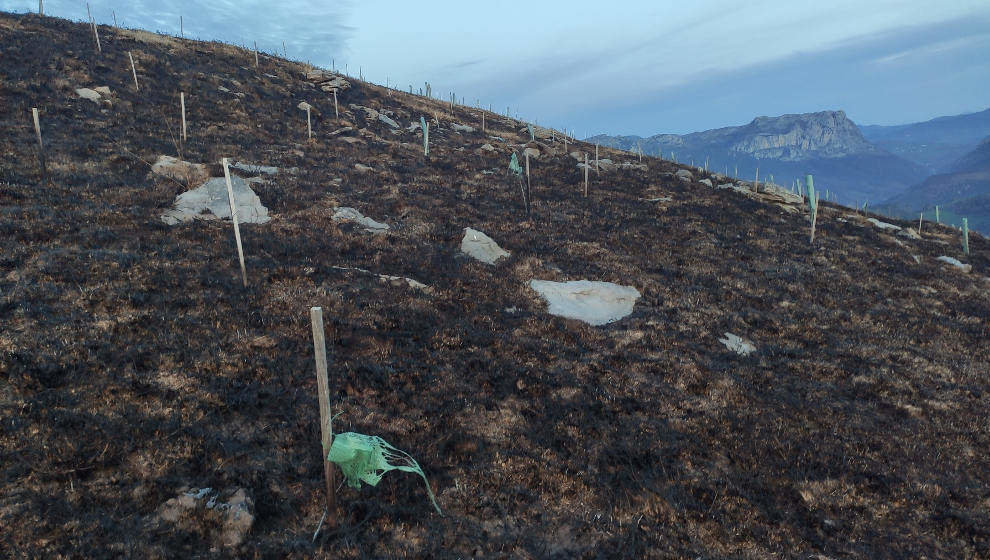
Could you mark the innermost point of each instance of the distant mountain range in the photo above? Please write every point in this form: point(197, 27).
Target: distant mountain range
point(826, 144)
point(964, 191)
point(870, 164)
point(936, 144)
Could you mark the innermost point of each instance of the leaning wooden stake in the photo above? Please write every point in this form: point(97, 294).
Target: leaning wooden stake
point(335, 111)
point(182, 101)
point(309, 123)
point(920, 221)
point(756, 184)
point(587, 168)
point(41, 146)
point(323, 387)
point(233, 216)
point(256, 63)
point(133, 71)
point(96, 33)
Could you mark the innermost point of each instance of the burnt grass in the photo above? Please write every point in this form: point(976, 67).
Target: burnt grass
point(134, 364)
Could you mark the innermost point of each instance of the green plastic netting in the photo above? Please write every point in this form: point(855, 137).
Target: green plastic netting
point(514, 165)
point(368, 458)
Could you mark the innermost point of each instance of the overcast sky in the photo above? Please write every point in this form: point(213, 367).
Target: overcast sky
point(621, 67)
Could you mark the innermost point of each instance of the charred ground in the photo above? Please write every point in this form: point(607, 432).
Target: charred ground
point(133, 363)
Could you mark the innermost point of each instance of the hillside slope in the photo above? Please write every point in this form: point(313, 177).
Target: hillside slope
point(936, 144)
point(963, 192)
point(136, 373)
point(826, 144)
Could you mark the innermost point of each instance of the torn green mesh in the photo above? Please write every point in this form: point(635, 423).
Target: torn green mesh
point(368, 458)
point(514, 165)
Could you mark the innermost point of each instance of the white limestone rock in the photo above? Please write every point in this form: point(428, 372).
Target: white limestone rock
point(210, 202)
point(478, 245)
point(966, 268)
point(595, 303)
point(345, 214)
point(737, 344)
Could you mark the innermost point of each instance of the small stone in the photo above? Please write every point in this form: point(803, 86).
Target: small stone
point(103, 91)
point(481, 247)
point(90, 94)
point(462, 128)
point(363, 168)
point(488, 148)
point(532, 152)
point(966, 268)
point(346, 214)
point(385, 119)
point(738, 345)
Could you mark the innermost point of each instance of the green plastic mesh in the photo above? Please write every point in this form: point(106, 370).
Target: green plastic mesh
point(368, 458)
point(514, 165)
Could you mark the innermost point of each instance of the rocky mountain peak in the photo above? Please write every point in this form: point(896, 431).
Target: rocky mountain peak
point(826, 134)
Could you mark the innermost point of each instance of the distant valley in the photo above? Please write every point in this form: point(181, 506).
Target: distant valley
point(856, 164)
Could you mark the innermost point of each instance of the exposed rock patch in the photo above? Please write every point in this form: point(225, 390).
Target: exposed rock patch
point(211, 202)
point(478, 245)
point(595, 303)
point(346, 214)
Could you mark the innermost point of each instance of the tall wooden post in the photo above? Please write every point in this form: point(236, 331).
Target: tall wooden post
point(587, 168)
point(41, 146)
point(323, 387)
point(335, 111)
point(233, 216)
point(309, 123)
point(529, 184)
point(182, 101)
point(133, 71)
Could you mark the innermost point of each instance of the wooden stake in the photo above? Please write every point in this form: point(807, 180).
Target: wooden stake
point(309, 123)
point(937, 220)
point(285, 51)
point(133, 71)
point(114, 19)
point(587, 168)
point(323, 388)
point(41, 7)
point(920, 220)
point(335, 111)
point(256, 63)
point(96, 33)
point(182, 29)
point(814, 219)
point(597, 170)
point(41, 146)
point(233, 216)
point(482, 121)
point(529, 184)
point(182, 100)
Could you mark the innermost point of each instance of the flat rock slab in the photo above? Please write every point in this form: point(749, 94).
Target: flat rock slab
point(738, 344)
point(462, 128)
point(956, 263)
point(183, 171)
point(478, 245)
point(595, 303)
point(345, 214)
point(210, 202)
point(90, 94)
point(255, 169)
point(883, 225)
